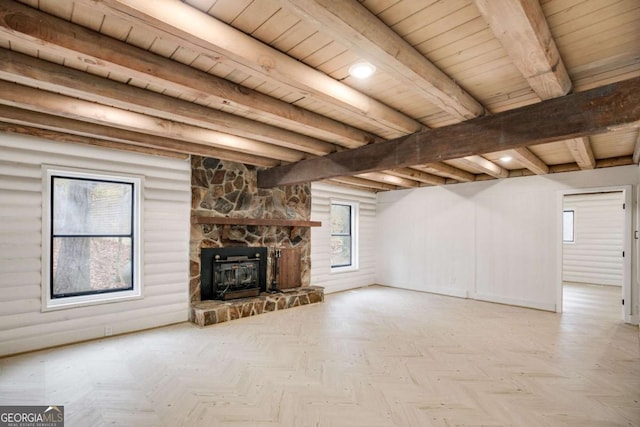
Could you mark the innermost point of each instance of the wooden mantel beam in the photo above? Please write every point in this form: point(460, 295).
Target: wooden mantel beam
point(595, 111)
point(205, 219)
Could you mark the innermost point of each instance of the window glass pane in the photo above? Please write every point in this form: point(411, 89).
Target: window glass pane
point(567, 226)
point(340, 219)
point(84, 207)
point(340, 251)
point(91, 264)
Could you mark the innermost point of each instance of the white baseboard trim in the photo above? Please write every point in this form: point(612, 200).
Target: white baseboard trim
point(341, 288)
point(440, 290)
point(516, 302)
point(40, 342)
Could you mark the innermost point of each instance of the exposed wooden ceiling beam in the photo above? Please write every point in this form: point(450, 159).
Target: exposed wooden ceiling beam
point(522, 28)
point(353, 26)
point(355, 187)
point(40, 30)
point(580, 114)
point(447, 170)
point(483, 165)
point(530, 160)
point(34, 72)
point(614, 161)
point(636, 150)
point(85, 140)
point(120, 137)
point(204, 34)
point(573, 167)
point(59, 105)
point(581, 151)
point(389, 179)
point(363, 183)
point(417, 175)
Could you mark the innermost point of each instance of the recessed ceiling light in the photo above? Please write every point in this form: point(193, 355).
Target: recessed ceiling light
point(362, 70)
point(506, 158)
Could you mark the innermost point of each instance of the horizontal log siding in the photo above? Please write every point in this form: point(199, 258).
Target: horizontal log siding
point(596, 254)
point(321, 275)
point(167, 198)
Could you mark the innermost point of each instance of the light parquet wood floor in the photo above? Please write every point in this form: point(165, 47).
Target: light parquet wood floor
point(371, 357)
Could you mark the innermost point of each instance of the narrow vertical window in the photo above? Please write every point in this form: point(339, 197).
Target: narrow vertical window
point(343, 235)
point(93, 248)
point(568, 225)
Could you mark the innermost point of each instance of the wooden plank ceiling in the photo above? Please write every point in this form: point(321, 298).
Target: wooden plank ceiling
point(266, 82)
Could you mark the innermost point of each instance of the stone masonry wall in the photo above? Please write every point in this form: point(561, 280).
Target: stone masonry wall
point(227, 189)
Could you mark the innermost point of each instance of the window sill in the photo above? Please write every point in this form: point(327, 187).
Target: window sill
point(348, 269)
point(89, 300)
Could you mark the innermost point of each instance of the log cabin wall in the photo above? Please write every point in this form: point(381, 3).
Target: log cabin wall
point(222, 188)
point(322, 194)
point(595, 254)
point(165, 233)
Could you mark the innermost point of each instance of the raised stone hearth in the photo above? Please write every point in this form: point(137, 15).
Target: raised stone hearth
point(205, 313)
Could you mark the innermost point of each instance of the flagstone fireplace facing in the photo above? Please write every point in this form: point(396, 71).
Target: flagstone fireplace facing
point(249, 247)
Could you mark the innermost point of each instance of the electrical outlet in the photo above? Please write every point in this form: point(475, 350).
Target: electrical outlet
point(108, 331)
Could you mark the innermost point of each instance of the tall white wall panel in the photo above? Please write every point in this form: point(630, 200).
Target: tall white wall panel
point(167, 199)
point(321, 196)
point(496, 240)
point(426, 243)
point(595, 256)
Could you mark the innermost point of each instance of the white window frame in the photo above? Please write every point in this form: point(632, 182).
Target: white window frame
point(51, 304)
point(355, 215)
point(573, 226)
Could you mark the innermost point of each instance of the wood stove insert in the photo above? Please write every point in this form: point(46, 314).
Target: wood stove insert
point(233, 272)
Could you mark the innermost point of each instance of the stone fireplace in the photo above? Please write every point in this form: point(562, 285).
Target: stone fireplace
point(229, 213)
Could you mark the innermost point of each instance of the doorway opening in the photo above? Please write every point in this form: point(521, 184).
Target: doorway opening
point(596, 252)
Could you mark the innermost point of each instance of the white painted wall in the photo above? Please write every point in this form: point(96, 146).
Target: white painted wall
point(321, 196)
point(496, 240)
point(167, 199)
point(595, 255)
point(425, 240)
